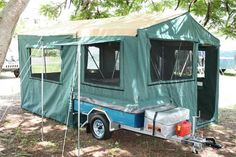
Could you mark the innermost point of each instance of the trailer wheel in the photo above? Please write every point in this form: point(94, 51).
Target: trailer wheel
point(99, 127)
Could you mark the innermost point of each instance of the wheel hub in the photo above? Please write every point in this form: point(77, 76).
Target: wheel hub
point(98, 128)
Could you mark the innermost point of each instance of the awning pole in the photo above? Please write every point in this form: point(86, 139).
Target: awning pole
point(42, 101)
point(78, 58)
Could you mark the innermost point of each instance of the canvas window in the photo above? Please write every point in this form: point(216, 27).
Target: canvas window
point(171, 60)
point(102, 63)
point(49, 63)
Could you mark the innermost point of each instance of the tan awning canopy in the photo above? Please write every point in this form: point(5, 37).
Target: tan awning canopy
point(114, 26)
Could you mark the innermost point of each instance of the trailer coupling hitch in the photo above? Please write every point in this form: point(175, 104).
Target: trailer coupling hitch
point(198, 143)
point(211, 142)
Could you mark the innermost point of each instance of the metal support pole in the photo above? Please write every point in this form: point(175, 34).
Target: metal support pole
point(42, 101)
point(78, 58)
point(195, 123)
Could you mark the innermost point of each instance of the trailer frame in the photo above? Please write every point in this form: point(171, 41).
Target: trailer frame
point(198, 143)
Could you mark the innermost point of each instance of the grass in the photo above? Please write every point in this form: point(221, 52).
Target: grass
point(37, 68)
point(53, 64)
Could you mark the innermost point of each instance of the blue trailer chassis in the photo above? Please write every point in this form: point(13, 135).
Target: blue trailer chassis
point(116, 116)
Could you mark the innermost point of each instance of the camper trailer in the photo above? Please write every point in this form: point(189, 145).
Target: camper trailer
point(136, 72)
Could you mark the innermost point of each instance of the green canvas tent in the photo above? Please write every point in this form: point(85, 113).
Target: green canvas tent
point(128, 64)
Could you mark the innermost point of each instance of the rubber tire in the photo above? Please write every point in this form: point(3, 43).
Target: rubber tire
point(105, 122)
point(17, 72)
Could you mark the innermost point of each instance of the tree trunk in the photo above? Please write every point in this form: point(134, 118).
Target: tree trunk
point(8, 20)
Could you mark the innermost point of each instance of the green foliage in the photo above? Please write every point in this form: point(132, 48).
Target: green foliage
point(214, 14)
point(2, 4)
point(105, 8)
point(51, 10)
point(89, 10)
point(198, 8)
point(161, 5)
point(123, 7)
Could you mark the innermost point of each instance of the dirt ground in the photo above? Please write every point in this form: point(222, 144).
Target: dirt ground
point(20, 131)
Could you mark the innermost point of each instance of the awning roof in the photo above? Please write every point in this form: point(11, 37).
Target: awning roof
point(114, 26)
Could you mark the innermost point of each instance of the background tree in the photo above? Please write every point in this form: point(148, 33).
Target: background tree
point(215, 14)
point(2, 4)
point(9, 15)
point(218, 15)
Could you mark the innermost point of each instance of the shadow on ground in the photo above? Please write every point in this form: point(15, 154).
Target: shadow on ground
point(20, 135)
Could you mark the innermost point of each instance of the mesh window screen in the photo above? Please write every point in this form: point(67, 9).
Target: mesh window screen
point(170, 60)
point(50, 63)
point(102, 63)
